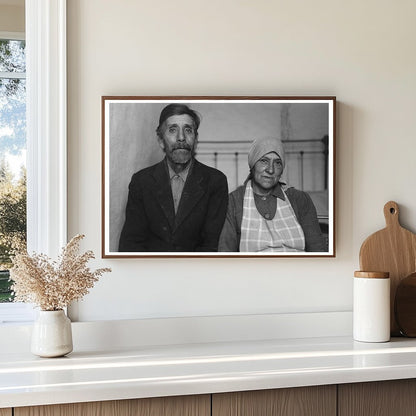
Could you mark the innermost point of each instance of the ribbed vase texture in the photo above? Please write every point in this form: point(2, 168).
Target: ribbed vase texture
point(52, 334)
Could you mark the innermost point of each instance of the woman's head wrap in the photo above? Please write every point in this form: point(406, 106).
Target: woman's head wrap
point(261, 147)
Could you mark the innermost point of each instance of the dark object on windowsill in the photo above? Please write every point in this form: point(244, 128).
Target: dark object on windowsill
point(405, 306)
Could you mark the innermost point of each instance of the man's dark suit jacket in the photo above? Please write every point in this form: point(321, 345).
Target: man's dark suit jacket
point(151, 223)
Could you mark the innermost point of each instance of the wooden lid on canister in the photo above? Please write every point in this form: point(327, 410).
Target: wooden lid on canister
point(372, 275)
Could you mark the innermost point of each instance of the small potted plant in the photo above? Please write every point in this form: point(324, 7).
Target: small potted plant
point(51, 286)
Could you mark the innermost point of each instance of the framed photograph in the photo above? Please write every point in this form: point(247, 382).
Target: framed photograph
point(218, 176)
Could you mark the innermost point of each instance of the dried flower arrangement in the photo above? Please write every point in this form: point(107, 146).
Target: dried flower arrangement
point(52, 285)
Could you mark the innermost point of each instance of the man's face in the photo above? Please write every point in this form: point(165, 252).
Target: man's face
point(178, 138)
point(267, 172)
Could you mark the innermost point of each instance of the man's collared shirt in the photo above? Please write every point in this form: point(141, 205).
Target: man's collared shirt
point(177, 183)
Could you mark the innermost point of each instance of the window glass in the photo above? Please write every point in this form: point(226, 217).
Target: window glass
point(12, 55)
point(12, 156)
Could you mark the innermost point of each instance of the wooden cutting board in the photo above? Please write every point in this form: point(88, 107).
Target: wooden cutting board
point(393, 250)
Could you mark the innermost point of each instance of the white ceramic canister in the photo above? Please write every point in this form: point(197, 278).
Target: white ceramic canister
point(371, 308)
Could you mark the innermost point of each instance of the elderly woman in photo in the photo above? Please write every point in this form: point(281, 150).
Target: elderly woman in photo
point(266, 216)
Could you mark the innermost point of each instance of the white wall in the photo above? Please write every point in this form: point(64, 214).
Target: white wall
point(360, 51)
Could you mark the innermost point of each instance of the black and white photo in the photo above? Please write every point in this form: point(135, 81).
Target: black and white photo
point(218, 176)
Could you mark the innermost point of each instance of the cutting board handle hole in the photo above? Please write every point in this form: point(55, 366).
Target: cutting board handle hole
point(392, 211)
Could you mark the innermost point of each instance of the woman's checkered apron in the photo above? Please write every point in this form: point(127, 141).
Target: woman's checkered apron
point(282, 233)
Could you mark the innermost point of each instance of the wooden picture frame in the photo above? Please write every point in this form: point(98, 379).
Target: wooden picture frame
point(132, 141)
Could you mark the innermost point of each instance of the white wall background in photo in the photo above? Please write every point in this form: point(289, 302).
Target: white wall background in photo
point(237, 47)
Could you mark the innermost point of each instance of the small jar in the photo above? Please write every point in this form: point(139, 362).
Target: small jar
point(371, 308)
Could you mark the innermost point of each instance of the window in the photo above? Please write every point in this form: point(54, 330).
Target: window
point(12, 155)
point(46, 135)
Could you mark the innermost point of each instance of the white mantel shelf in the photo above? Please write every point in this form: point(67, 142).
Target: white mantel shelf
point(151, 371)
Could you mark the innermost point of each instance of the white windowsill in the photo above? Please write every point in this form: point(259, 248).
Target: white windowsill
point(16, 313)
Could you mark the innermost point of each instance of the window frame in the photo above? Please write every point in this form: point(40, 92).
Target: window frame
point(46, 125)
point(46, 113)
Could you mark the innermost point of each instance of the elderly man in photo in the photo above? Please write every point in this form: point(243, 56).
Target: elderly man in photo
point(179, 204)
point(264, 215)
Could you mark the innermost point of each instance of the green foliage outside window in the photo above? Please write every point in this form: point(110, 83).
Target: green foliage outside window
point(12, 148)
point(12, 224)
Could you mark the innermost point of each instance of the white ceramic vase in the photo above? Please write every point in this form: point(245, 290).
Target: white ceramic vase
point(52, 334)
